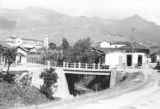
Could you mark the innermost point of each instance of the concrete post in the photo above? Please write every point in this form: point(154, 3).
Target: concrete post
point(94, 65)
point(74, 65)
point(64, 64)
point(113, 78)
point(86, 65)
point(67, 65)
point(48, 64)
point(98, 65)
point(79, 65)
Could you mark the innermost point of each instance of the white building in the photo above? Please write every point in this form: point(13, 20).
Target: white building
point(122, 53)
point(27, 43)
point(155, 56)
point(26, 46)
point(21, 57)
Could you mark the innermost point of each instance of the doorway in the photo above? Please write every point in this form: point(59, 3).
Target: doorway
point(139, 60)
point(129, 60)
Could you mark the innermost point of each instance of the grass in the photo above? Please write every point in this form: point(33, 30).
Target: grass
point(15, 95)
point(12, 95)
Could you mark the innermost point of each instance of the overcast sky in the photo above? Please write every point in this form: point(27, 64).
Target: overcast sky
point(117, 9)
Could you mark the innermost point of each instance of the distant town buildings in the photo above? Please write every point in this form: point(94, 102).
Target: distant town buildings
point(25, 47)
point(26, 43)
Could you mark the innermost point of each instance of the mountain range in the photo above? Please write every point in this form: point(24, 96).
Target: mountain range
point(35, 22)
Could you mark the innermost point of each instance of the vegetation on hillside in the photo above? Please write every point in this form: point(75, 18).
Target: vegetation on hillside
point(15, 90)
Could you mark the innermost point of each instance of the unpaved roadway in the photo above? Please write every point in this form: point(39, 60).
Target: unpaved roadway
point(146, 97)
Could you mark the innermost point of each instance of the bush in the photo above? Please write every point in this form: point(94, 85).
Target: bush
point(26, 80)
point(18, 77)
point(49, 77)
point(8, 78)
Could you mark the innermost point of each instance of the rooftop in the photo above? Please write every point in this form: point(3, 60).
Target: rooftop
point(12, 37)
point(128, 46)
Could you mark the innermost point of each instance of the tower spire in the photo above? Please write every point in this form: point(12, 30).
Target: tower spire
point(45, 41)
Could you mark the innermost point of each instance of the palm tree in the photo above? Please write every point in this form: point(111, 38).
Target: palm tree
point(10, 55)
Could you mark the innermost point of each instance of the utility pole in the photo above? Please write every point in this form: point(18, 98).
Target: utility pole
point(132, 37)
point(132, 32)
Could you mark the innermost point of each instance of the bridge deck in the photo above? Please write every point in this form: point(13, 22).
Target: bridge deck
point(88, 71)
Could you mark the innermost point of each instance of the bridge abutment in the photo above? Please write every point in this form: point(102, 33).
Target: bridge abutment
point(113, 78)
point(63, 85)
point(63, 89)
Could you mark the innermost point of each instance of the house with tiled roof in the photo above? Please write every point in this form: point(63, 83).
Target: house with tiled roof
point(118, 53)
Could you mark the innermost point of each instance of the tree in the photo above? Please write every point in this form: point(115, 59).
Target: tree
point(52, 46)
point(52, 54)
point(67, 49)
point(10, 55)
point(82, 52)
point(49, 77)
point(65, 43)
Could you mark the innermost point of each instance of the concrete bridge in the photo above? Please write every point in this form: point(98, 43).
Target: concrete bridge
point(64, 69)
point(63, 83)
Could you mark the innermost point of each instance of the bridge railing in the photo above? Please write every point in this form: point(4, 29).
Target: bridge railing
point(68, 64)
point(85, 65)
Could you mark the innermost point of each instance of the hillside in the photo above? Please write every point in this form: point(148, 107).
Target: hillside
point(145, 31)
point(34, 22)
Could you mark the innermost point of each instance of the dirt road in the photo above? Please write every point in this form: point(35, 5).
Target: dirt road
point(146, 97)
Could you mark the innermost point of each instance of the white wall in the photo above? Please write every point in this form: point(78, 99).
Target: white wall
point(158, 58)
point(135, 57)
point(23, 60)
point(118, 58)
point(113, 58)
point(106, 44)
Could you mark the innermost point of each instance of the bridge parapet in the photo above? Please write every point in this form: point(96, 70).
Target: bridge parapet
point(78, 65)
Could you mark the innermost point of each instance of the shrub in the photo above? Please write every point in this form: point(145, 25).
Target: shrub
point(26, 80)
point(49, 77)
point(18, 77)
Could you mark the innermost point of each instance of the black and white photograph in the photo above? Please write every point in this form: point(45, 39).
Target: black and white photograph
point(79, 54)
